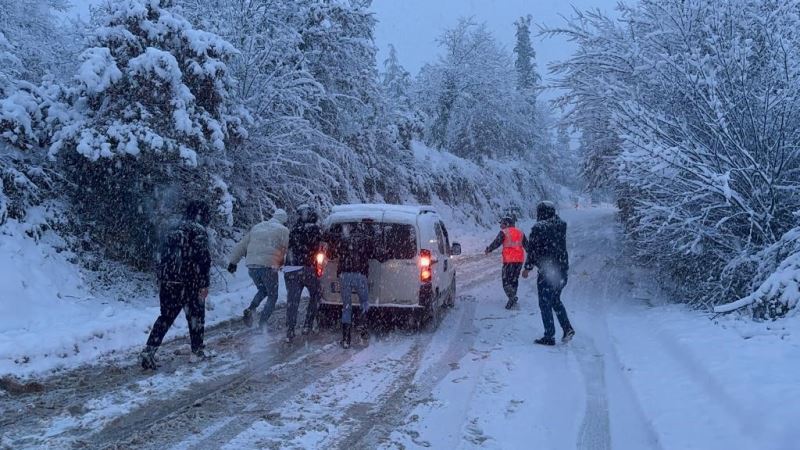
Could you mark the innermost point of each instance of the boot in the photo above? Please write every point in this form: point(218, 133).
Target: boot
point(363, 332)
point(247, 317)
point(200, 355)
point(568, 335)
point(545, 341)
point(346, 335)
point(147, 358)
point(306, 331)
point(512, 301)
point(289, 337)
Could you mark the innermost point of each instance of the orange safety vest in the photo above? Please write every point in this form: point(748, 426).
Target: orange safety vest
point(512, 246)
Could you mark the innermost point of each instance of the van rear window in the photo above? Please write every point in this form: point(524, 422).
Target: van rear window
point(399, 241)
point(392, 240)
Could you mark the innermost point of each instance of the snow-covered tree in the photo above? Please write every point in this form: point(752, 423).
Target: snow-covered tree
point(40, 43)
point(154, 124)
point(470, 99)
point(396, 85)
point(692, 111)
point(528, 79)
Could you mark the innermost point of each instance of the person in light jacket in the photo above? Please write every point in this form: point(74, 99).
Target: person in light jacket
point(264, 249)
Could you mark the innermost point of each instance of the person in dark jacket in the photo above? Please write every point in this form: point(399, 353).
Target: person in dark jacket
point(183, 275)
point(300, 271)
point(547, 251)
point(355, 248)
point(514, 244)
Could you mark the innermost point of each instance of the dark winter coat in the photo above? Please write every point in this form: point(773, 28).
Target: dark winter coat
point(547, 246)
point(304, 243)
point(185, 256)
point(355, 249)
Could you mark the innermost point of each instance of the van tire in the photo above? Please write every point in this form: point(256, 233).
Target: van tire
point(432, 316)
point(451, 298)
point(415, 320)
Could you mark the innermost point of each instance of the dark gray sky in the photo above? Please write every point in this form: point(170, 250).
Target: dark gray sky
point(413, 25)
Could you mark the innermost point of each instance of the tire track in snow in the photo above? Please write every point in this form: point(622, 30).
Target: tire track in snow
point(392, 408)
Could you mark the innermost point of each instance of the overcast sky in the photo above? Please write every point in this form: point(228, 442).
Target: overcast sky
point(412, 26)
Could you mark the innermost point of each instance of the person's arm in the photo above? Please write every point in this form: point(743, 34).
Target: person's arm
point(497, 242)
point(203, 261)
point(530, 260)
point(284, 244)
point(240, 250)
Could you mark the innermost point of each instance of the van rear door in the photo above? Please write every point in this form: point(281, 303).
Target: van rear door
point(331, 287)
point(399, 273)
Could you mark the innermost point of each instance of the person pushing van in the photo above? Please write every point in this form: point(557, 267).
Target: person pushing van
point(264, 247)
point(514, 244)
point(355, 249)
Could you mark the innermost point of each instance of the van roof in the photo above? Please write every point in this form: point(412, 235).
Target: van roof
point(377, 211)
point(383, 207)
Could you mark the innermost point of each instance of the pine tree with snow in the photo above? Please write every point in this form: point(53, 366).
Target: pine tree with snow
point(396, 85)
point(154, 124)
point(528, 79)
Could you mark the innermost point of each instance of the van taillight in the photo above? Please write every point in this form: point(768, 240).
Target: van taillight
point(425, 261)
point(320, 263)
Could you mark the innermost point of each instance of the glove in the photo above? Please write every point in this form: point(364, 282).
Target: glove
point(525, 273)
point(232, 268)
point(486, 251)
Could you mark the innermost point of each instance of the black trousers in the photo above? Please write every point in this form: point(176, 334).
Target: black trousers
point(175, 297)
point(511, 273)
point(550, 301)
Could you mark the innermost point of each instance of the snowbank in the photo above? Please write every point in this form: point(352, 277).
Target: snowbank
point(50, 318)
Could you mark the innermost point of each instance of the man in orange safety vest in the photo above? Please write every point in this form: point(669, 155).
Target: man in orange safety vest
point(514, 244)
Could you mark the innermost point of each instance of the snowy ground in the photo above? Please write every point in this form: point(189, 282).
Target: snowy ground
point(640, 374)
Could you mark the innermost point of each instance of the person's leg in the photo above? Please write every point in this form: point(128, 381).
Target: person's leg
point(546, 308)
point(271, 286)
point(170, 300)
point(195, 310)
point(346, 285)
point(362, 290)
point(561, 312)
point(314, 286)
point(294, 288)
point(511, 282)
point(258, 275)
point(346, 281)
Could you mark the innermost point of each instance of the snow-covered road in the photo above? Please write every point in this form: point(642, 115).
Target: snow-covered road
point(640, 374)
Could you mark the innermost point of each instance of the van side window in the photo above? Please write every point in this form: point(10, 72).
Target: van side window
point(440, 238)
point(446, 238)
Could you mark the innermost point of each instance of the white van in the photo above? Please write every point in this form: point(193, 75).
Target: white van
point(415, 271)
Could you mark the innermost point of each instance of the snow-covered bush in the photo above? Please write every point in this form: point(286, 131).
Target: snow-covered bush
point(776, 286)
point(692, 111)
point(153, 123)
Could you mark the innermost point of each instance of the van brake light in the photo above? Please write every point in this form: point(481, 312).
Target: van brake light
point(425, 261)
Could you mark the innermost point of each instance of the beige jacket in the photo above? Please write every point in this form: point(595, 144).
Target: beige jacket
point(266, 243)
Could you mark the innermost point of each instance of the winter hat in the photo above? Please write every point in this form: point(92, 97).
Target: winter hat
point(280, 216)
point(545, 210)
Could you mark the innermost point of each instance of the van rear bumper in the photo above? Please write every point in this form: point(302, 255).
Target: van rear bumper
point(378, 306)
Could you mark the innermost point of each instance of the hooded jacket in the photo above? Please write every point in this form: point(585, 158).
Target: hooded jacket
point(305, 240)
point(355, 249)
point(266, 243)
point(547, 246)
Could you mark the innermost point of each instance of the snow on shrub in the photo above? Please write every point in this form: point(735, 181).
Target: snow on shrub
point(692, 110)
point(153, 113)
